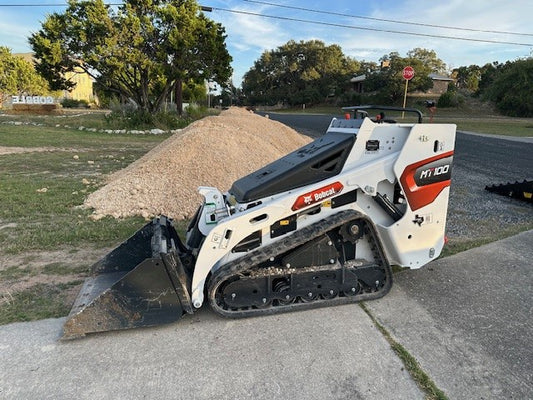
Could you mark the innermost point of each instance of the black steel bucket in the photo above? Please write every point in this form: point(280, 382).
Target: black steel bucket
point(140, 283)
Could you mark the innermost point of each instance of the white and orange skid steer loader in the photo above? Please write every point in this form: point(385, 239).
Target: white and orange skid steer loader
point(318, 227)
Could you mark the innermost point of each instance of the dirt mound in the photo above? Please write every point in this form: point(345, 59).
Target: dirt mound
point(214, 151)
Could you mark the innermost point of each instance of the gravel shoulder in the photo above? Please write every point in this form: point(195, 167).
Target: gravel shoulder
point(474, 213)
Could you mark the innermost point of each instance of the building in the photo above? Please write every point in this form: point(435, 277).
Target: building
point(84, 86)
point(356, 83)
point(84, 83)
point(440, 84)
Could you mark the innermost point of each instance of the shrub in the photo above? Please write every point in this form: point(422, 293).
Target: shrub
point(450, 99)
point(139, 119)
point(195, 111)
point(72, 103)
point(452, 87)
point(351, 99)
point(167, 120)
point(512, 87)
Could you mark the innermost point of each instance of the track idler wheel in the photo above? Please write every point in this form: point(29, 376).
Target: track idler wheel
point(282, 286)
point(353, 291)
point(309, 297)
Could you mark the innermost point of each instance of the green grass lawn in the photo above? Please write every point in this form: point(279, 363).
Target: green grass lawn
point(41, 194)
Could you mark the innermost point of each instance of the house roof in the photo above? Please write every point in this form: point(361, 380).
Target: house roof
point(26, 56)
point(359, 78)
point(437, 77)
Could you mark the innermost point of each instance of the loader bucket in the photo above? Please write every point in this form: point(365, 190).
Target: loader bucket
point(142, 282)
point(518, 190)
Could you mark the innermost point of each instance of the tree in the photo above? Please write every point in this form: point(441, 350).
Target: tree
point(467, 77)
point(428, 58)
point(389, 83)
point(511, 88)
point(18, 76)
point(230, 96)
point(194, 91)
point(298, 73)
point(487, 75)
point(366, 67)
point(141, 51)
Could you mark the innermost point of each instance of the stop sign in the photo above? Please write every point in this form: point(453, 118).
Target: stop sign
point(408, 73)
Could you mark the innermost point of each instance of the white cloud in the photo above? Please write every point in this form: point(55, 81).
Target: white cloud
point(249, 32)
point(475, 14)
point(15, 36)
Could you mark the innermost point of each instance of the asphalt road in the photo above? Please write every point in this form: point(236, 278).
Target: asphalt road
point(312, 125)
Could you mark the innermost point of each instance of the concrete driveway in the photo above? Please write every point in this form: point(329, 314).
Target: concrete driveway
point(468, 319)
point(471, 334)
point(321, 354)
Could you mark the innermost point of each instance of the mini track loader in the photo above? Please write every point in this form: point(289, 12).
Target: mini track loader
point(318, 227)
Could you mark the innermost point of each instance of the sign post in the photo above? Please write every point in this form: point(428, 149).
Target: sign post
point(408, 73)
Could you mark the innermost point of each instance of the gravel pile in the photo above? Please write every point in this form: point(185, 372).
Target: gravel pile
point(214, 151)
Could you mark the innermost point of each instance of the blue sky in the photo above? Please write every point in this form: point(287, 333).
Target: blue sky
point(360, 38)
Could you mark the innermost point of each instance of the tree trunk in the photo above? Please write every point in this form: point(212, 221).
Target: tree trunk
point(146, 104)
point(162, 97)
point(179, 96)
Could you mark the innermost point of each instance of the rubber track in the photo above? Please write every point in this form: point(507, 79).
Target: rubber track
point(304, 235)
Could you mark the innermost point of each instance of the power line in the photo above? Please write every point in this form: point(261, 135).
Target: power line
point(337, 25)
point(385, 20)
point(370, 29)
point(208, 9)
point(50, 5)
